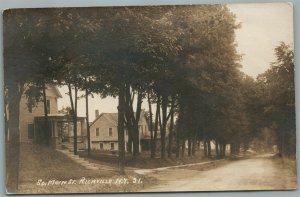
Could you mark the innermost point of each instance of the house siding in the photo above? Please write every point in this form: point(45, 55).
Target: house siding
point(104, 123)
point(106, 145)
point(27, 117)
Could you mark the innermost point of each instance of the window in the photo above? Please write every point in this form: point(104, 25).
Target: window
point(97, 131)
point(110, 132)
point(30, 108)
point(101, 146)
point(112, 146)
point(30, 131)
point(48, 106)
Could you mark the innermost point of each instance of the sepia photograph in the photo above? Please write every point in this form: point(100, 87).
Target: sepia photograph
point(161, 98)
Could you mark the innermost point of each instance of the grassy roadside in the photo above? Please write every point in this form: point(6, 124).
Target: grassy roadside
point(288, 169)
point(44, 170)
point(143, 160)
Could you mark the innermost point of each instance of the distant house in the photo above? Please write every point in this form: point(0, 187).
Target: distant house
point(104, 131)
point(61, 126)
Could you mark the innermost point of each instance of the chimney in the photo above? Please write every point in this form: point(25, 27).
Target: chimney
point(96, 113)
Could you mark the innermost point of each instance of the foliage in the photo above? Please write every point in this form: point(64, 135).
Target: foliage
point(278, 97)
point(183, 59)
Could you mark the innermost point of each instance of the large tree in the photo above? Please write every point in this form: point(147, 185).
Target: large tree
point(278, 87)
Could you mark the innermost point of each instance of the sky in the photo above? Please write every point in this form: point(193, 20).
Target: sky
point(263, 27)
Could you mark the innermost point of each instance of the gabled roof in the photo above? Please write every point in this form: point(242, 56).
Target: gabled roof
point(112, 117)
point(56, 91)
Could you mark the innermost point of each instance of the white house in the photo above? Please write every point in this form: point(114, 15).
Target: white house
point(31, 122)
point(104, 131)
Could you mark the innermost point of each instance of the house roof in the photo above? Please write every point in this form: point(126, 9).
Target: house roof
point(56, 91)
point(112, 117)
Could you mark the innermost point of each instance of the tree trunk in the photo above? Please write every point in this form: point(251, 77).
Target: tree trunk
point(164, 106)
point(182, 147)
point(87, 121)
point(194, 144)
point(12, 162)
point(136, 119)
point(129, 146)
point(237, 148)
point(232, 151)
point(217, 150)
point(74, 115)
point(189, 146)
point(75, 122)
point(46, 133)
point(221, 150)
point(136, 141)
point(205, 148)
point(150, 122)
point(171, 127)
point(208, 148)
point(121, 136)
point(177, 143)
point(179, 129)
point(157, 115)
point(224, 150)
point(132, 118)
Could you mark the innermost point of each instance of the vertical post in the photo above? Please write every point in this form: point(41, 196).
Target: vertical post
point(61, 131)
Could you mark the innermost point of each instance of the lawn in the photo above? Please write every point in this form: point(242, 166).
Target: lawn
point(143, 160)
point(44, 170)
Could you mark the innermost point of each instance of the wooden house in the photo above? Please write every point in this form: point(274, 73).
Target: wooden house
point(104, 131)
point(32, 122)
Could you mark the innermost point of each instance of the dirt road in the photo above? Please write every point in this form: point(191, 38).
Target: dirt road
point(252, 174)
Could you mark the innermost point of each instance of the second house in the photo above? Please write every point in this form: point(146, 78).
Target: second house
point(104, 132)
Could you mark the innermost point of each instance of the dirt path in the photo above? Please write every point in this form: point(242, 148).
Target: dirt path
point(251, 174)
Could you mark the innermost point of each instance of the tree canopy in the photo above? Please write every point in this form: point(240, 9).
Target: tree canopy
point(183, 59)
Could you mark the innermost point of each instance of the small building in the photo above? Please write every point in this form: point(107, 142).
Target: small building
point(104, 131)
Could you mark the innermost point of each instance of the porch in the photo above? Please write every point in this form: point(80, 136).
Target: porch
point(61, 131)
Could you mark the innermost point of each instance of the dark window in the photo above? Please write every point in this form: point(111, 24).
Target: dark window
point(30, 109)
point(30, 131)
point(101, 146)
point(48, 106)
point(112, 146)
point(97, 131)
point(110, 132)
